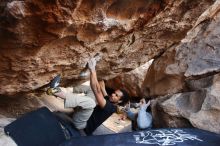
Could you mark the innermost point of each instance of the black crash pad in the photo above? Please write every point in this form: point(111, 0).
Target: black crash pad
point(156, 137)
point(37, 128)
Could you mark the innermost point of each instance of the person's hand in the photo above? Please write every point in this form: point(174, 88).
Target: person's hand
point(120, 109)
point(92, 64)
point(148, 103)
point(127, 106)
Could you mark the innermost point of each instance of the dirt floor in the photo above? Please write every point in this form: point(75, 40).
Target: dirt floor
point(18, 106)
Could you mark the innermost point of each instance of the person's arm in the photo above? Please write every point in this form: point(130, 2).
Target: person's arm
point(143, 104)
point(102, 85)
point(95, 84)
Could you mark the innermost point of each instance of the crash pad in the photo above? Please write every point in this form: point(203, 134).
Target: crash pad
point(37, 128)
point(154, 137)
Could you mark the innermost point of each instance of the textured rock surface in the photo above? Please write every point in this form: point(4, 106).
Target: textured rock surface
point(201, 107)
point(196, 55)
point(131, 81)
point(39, 39)
point(190, 68)
point(158, 82)
point(162, 119)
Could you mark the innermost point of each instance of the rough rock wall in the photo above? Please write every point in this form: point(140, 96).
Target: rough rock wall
point(188, 74)
point(131, 81)
point(39, 38)
point(42, 38)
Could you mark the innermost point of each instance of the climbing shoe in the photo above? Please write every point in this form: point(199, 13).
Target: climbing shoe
point(52, 91)
point(53, 85)
point(55, 82)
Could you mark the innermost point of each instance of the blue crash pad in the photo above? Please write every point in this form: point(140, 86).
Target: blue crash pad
point(38, 128)
point(156, 137)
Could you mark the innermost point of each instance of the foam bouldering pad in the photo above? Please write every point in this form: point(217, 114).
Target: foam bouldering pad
point(67, 123)
point(156, 137)
point(37, 128)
